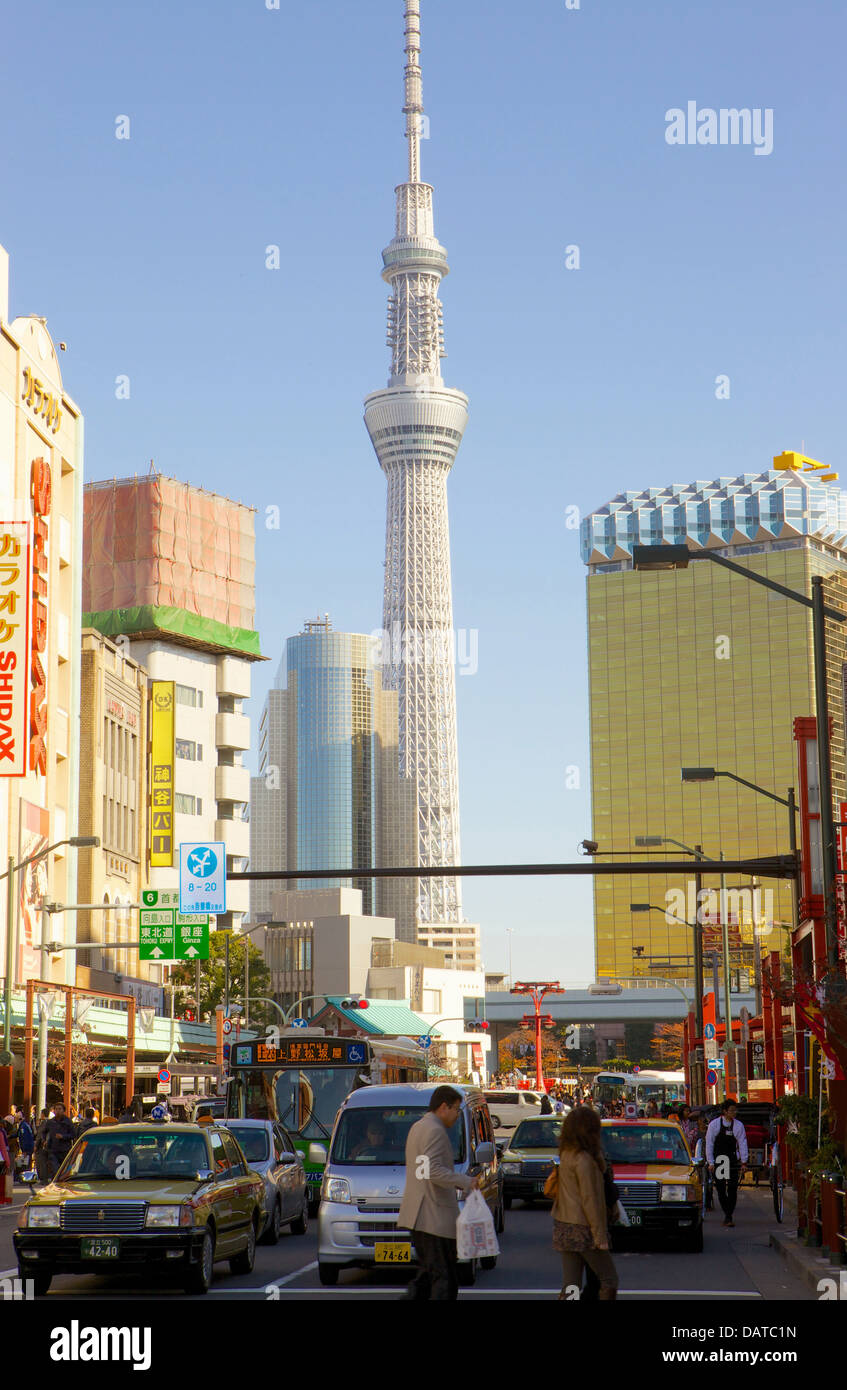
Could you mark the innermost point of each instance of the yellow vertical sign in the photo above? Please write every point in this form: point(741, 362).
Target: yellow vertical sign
point(162, 775)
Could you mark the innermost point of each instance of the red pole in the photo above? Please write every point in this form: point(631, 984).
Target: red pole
point(69, 1046)
point(778, 1054)
point(539, 1070)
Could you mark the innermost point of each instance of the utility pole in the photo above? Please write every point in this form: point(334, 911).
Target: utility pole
point(729, 1050)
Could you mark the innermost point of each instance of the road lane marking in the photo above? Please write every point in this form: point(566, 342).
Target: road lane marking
point(385, 1292)
point(286, 1279)
point(508, 1293)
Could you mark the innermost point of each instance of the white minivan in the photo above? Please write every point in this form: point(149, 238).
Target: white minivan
point(365, 1176)
point(508, 1107)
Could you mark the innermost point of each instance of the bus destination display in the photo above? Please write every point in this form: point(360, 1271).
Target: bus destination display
point(305, 1052)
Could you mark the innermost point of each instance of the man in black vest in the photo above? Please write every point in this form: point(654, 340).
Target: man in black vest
point(726, 1155)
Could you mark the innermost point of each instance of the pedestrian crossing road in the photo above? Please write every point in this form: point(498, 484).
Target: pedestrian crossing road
point(737, 1264)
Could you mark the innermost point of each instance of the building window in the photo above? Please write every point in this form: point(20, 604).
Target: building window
point(431, 1001)
point(188, 805)
point(187, 748)
point(187, 695)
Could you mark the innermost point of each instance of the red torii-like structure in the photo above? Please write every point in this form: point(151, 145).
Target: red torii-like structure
point(536, 989)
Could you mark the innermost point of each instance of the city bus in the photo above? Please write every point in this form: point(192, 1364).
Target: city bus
point(302, 1079)
point(661, 1086)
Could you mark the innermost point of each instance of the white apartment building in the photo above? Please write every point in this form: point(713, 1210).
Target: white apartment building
point(461, 942)
point(449, 998)
point(211, 738)
point(169, 576)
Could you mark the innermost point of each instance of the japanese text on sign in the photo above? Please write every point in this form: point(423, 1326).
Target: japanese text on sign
point(162, 775)
point(42, 499)
point(14, 646)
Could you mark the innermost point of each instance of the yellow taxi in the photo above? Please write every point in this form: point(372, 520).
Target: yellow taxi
point(656, 1178)
point(531, 1156)
point(165, 1200)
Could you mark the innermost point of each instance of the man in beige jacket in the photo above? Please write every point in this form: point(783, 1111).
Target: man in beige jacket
point(430, 1207)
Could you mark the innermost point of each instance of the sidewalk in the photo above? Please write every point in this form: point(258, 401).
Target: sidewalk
point(806, 1261)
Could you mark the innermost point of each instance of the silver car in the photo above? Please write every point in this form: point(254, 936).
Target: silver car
point(270, 1152)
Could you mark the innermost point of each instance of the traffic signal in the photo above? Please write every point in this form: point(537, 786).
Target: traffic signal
point(477, 1025)
point(355, 1004)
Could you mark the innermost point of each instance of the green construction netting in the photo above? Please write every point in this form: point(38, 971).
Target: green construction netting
point(177, 621)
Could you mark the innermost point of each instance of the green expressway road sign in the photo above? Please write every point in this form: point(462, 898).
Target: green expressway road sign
point(167, 934)
point(192, 937)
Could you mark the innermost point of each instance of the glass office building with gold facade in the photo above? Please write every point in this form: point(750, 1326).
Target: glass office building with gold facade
point(699, 668)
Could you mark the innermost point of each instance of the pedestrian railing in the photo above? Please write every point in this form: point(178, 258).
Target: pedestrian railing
point(833, 1217)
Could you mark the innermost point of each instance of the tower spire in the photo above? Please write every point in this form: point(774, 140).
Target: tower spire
point(416, 426)
point(414, 87)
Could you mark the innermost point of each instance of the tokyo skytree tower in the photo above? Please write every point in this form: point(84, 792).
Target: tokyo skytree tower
point(416, 427)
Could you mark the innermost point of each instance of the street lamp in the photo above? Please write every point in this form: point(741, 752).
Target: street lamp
point(652, 557)
point(694, 927)
point(76, 842)
point(708, 774)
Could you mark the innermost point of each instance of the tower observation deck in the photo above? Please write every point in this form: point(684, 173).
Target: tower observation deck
point(416, 426)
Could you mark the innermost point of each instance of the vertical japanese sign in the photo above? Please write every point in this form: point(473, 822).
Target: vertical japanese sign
point(15, 560)
point(32, 884)
point(42, 501)
point(162, 775)
point(841, 881)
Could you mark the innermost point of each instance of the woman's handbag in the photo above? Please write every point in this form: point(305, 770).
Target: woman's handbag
point(551, 1187)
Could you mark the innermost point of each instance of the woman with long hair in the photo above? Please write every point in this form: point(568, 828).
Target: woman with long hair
point(580, 1220)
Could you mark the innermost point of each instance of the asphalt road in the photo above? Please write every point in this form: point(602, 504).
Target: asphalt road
point(737, 1264)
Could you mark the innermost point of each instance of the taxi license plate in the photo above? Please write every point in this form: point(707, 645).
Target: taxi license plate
point(634, 1218)
point(539, 1185)
point(99, 1248)
point(392, 1253)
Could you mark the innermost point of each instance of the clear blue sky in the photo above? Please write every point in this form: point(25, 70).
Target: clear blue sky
point(251, 127)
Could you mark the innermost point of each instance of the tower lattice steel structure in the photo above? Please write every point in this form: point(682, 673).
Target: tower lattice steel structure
point(416, 427)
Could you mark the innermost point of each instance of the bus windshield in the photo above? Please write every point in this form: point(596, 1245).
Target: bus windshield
point(305, 1100)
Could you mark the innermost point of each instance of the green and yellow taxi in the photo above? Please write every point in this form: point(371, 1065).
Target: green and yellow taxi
point(532, 1153)
point(166, 1200)
point(658, 1184)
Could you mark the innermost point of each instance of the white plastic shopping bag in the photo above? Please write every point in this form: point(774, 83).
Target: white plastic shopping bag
point(475, 1236)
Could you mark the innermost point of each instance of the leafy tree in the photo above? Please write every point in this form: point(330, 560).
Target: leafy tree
point(213, 977)
point(667, 1045)
point(511, 1056)
point(618, 1064)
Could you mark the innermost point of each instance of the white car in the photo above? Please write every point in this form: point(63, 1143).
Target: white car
point(507, 1107)
point(270, 1152)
